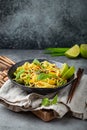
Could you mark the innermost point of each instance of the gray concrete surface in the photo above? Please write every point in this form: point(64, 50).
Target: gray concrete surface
point(26, 120)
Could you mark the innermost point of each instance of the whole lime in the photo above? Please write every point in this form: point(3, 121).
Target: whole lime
point(83, 50)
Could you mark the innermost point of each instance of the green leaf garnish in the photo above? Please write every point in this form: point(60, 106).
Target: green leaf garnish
point(35, 61)
point(42, 76)
point(19, 73)
point(54, 100)
point(47, 101)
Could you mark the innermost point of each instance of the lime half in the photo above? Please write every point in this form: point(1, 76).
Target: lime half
point(83, 50)
point(73, 52)
point(64, 68)
point(69, 73)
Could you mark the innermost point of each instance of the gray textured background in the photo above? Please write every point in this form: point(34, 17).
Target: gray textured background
point(37, 24)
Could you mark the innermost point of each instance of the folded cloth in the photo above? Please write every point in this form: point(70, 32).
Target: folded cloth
point(16, 99)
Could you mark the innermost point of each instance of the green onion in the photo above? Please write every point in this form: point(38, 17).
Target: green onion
point(58, 54)
point(56, 51)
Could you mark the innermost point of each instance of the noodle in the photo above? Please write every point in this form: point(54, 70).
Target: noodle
point(39, 75)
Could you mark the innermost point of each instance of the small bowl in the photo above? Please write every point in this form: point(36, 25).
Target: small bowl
point(42, 91)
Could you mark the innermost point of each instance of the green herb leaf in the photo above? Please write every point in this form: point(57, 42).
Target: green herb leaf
point(54, 100)
point(35, 61)
point(45, 102)
point(19, 73)
point(42, 76)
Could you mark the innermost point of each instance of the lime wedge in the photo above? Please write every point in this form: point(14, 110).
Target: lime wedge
point(64, 68)
point(68, 74)
point(83, 50)
point(73, 52)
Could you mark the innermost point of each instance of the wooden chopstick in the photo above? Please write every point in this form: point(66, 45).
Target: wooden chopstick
point(5, 64)
point(75, 84)
point(7, 59)
point(4, 60)
point(1, 81)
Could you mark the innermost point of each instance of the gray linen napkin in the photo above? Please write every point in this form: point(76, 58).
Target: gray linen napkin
point(16, 99)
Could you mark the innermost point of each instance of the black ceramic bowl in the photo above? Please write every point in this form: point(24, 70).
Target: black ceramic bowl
point(36, 90)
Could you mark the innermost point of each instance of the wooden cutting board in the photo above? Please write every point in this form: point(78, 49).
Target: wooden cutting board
point(5, 64)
